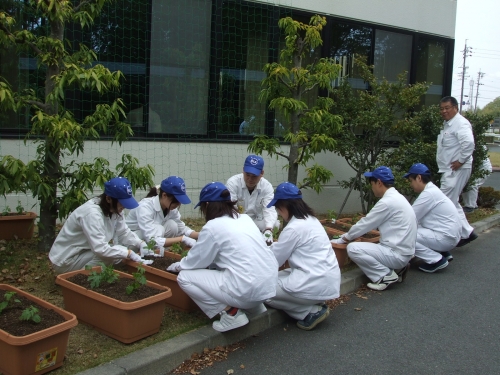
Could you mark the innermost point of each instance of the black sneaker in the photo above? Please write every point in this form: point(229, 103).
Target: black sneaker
point(447, 255)
point(402, 273)
point(442, 263)
point(468, 210)
point(312, 320)
point(465, 241)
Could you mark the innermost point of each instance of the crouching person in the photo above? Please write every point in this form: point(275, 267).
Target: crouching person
point(243, 270)
point(314, 273)
point(388, 261)
point(439, 227)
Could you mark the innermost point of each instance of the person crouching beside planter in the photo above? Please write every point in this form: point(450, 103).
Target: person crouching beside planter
point(243, 271)
point(387, 262)
point(314, 273)
point(85, 236)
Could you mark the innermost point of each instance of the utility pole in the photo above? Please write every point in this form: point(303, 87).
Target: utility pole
point(471, 94)
point(479, 76)
point(466, 52)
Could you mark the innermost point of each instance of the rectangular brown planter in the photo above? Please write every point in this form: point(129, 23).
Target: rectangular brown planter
point(38, 352)
point(341, 254)
point(179, 300)
point(17, 226)
point(124, 321)
point(374, 234)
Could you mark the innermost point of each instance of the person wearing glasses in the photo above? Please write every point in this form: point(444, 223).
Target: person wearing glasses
point(455, 145)
point(158, 215)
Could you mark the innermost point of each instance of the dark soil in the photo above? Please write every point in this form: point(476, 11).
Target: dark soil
point(10, 322)
point(117, 290)
point(161, 263)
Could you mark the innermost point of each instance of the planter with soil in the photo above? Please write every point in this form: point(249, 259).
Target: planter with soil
point(17, 226)
point(339, 228)
point(157, 273)
point(109, 309)
point(27, 347)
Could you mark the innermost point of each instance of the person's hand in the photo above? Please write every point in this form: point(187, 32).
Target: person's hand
point(134, 257)
point(144, 249)
point(338, 241)
point(174, 267)
point(188, 241)
point(456, 165)
point(268, 236)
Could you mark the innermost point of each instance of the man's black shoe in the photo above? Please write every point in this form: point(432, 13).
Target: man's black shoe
point(465, 241)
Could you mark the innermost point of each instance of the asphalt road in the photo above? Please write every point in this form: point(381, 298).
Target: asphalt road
point(442, 323)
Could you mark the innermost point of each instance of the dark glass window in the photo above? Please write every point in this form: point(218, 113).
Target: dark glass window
point(430, 67)
point(392, 55)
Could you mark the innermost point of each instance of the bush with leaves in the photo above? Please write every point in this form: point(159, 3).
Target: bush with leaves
point(488, 197)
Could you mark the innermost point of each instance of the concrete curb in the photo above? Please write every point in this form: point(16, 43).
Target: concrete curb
point(165, 356)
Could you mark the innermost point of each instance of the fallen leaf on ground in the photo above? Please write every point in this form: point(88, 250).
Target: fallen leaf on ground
point(358, 308)
point(242, 366)
point(230, 371)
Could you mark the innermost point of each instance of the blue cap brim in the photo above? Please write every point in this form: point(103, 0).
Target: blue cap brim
point(183, 199)
point(197, 204)
point(272, 203)
point(406, 175)
point(252, 170)
point(368, 174)
point(129, 203)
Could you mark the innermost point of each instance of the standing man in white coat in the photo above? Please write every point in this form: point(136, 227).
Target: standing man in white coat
point(388, 261)
point(455, 145)
point(438, 231)
point(469, 197)
point(253, 193)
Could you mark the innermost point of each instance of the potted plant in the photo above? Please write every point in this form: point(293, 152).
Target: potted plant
point(84, 295)
point(19, 224)
point(157, 273)
point(37, 352)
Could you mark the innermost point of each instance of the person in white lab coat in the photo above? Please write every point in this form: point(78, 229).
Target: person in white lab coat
point(469, 197)
point(438, 229)
point(158, 215)
point(85, 236)
point(253, 193)
point(388, 261)
point(314, 273)
point(455, 145)
point(243, 270)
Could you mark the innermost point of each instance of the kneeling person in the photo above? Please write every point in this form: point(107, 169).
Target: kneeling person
point(438, 221)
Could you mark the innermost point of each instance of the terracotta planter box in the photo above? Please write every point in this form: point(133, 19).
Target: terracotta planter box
point(124, 321)
point(179, 300)
point(341, 254)
point(17, 226)
point(374, 234)
point(38, 352)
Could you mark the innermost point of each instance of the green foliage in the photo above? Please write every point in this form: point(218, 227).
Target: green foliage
point(331, 214)
point(151, 244)
point(19, 208)
point(31, 314)
point(8, 300)
point(176, 248)
point(139, 280)
point(488, 197)
point(6, 211)
point(491, 109)
point(107, 275)
point(291, 89)
point(61, 185)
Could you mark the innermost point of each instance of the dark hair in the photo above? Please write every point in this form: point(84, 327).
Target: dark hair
point(219, 209)
point(295, 207)
point(153, 192)
point(106, 206)
point(387, 185)
point(425, 177)
point(450, 99)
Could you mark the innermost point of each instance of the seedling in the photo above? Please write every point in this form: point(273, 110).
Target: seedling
point(8, 300)
point(139, 280)
point(31, 314)
point(6, 211)
point(19, 208)
point(176, 248)
point(275, 232)
point(355, 219)
point(107, 275)
point(332, 215)
point(151, 244)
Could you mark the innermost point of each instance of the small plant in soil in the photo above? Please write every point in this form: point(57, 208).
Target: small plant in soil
point(8, 300)
point(139, 280)
point(107, 275)
point(176, 248)
point(19, 208)
point(31, 314)
point(275, 232)
point(331, 215)
point(6, 211)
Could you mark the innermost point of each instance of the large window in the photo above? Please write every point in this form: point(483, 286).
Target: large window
point(430, 68)
point(392, 55)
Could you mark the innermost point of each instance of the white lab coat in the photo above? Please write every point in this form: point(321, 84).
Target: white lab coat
point(148, 221)
point(236, 247)
point(254, 205)
point(315, 272)
point(455, 142)
point(87, 229)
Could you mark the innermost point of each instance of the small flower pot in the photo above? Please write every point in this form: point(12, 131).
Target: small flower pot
point(15, 226)
point(39, 352)
point(124, 321)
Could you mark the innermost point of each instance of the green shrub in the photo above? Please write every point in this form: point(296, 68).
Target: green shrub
point(488, 197)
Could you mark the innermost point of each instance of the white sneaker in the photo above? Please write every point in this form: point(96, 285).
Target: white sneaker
point(384, 282)
point(228, 322)
point(257, 310)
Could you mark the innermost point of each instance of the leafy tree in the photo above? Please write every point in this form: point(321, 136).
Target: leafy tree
point(491, 109)
point(59, 136)
point(374, 119)
point(288, 86)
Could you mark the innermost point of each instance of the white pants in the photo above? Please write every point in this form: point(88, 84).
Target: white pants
point(79, 261)
point(261, 224)
point(470, 197)
point(297, 308)
point(452, 184)
point(204, 288)
point(376, 260)
point(430, 244)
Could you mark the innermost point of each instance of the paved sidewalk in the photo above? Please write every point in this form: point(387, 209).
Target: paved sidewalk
point(163, 357)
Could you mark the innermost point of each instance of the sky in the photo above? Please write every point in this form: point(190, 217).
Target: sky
point(478, 21)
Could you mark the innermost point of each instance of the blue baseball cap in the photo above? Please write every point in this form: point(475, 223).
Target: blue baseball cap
point(253, 164)
point(120, 188)
point(382, 173)
point(175, 185)
point(211, 193)
point(418, 168)
point(285, 190)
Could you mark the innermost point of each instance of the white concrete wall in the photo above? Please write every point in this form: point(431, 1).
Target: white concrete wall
point(198, 164)
point(428, 16)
